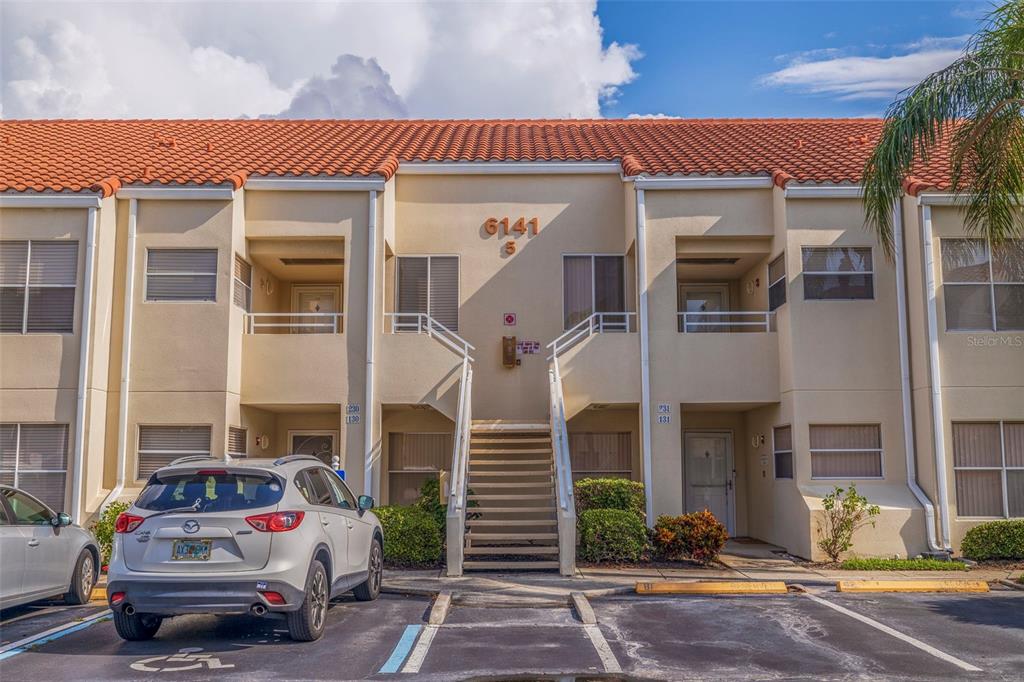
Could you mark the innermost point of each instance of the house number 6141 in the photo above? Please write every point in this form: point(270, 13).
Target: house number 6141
point(505, 226)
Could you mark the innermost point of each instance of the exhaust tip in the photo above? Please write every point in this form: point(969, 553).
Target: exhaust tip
point(258, 609)
point(129, 610)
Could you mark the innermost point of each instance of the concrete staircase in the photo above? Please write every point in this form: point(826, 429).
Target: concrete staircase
point(511, 521)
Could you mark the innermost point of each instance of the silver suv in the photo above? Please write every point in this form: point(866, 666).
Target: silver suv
point(258, 536)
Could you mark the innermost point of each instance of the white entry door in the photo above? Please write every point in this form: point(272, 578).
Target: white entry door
point(316, 299)
point(695, 299)
point(708, 474)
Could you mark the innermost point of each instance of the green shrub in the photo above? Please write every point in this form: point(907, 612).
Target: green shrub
point(610, 493)
point(411, 536)
point(103, 528)
point(869, 564)
point(994, 540)
point(611, 535)
point(430, 502)
point(844, 512)
point(698, 536)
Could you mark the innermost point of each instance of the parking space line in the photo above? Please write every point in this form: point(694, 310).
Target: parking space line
point(611, 664)
point(420, 651)
point(402, 649)
point(22, 645)
point(927, 648)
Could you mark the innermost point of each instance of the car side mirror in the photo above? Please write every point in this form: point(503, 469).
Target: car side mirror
point(61, 520)
point(366, 503)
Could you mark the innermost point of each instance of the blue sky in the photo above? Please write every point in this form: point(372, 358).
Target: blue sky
point(708, 59)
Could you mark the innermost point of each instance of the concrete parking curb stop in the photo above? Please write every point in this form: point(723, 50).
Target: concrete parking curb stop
point(439, 610)
point(712, 587)
point(912, 586)
point(583, 609)
point(1011, 584)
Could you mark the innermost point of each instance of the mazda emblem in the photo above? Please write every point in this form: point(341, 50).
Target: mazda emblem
point(190, 526)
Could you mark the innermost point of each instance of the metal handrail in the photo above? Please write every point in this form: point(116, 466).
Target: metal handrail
point(456, 514)
point(333, 321)
point(596, 323)
point(566, 513)
point(421, 323)
point(693, 322)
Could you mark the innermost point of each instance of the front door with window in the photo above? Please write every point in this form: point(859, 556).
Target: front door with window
point(315, 306)
point(695, 299)
point(708, 474)
point(320, 444)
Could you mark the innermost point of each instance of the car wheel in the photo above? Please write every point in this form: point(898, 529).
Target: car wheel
point(82, 580)
point(370, 590)
point(307, 623)
point(137, 627)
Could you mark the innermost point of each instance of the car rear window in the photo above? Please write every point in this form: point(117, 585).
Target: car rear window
point(216, 491)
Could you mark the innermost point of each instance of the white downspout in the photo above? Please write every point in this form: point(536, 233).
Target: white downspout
point(645, 360)
point(85, 329)
point(905, 394)
point(936, 374)
point(126, 356)
point(371, 330)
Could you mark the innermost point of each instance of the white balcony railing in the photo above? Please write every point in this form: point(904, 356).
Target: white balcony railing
point(294, 323)
point(421, 323)
point(597, 323)
point(724, 322)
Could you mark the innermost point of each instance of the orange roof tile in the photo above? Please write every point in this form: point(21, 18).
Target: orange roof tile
point(75, 155)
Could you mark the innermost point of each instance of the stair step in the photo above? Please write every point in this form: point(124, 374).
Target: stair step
point(487, 484)
point(474, 536)
point(511, 522)
point(511, 427)
point(512, 550)
point(509, 565)
point(527, 473)
point(511, 510)
point(486, 438)
point(507, 462)
point(509, 498)
point(505, 451)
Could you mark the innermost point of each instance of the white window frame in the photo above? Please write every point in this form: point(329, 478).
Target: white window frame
point(593, 283)
point(783, 279)
point(458, 284)
point(1003, 469)
point(27, 285)
point(828, 273)
point(17, 454)
point(216, 275)
point(246, 286)
point(792, 459)
point(991, 284)
point(180, 453)
point(880, 450)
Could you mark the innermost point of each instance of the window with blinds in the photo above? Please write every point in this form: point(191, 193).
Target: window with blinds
point(601, 455)
point(983, 287)
point(782, 448)
point(593, 284)
point(236, 442)
point(988, 463)
point(838, 273)
point(412, 459)
point(160, 445)
point(37, 286)
point(34, 458)
point(243, 284)
point(181, 275)
point(428, 285)
point(777, 282)
point(846, 451)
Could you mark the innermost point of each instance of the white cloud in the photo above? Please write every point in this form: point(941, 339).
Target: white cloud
point(652, 116)
point(228, 59)
point(846, 76)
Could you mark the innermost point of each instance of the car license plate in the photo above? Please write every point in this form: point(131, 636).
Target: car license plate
point(191, 550)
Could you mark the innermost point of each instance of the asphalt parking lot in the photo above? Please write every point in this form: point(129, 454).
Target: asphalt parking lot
point(826, 635)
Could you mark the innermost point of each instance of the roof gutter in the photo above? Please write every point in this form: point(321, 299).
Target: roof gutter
point(743, 182)
point(177, 193)
point(307, 184)
point(49, 201)
point(85, 329)
point(371, 333)
point(823, 191)
point(645, 354)
point(509, 168)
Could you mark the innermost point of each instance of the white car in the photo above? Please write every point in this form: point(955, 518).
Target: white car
point(259, 536)
point(42, 554)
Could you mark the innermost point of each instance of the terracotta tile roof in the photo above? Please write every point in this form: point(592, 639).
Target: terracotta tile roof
point(78, 155)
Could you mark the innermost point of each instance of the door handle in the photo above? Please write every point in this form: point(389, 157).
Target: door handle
point(348, 523)
point(326, 522)
point(33, 543)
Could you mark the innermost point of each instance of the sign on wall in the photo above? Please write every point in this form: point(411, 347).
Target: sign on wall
point(505, 227)
point(510, 319)
point(528, 347)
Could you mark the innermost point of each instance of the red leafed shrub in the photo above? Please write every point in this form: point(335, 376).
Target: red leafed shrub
point(698, 536)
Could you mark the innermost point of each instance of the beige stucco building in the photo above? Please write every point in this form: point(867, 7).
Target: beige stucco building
point(731, 335)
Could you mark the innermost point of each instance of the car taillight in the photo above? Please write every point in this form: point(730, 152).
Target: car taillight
point(276, 522)
point(126, 522)
point(274, 598)
point(117, 598)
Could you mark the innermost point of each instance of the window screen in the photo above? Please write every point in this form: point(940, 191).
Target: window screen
point(777, 282)
point(34, 457)
point(237, 441)
point(428, 285)
point(160, 445)
point(243, 284)
point(837, 273)
point(988, 462)
point(600, 455)
point(181, 275)
point(782, 446)
point(846, 451)
point(412, 459)
point(983, 287)
point(37, 286)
